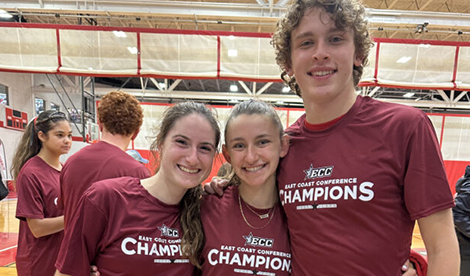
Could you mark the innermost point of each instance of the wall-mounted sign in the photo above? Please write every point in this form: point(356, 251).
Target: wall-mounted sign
point(15, 118)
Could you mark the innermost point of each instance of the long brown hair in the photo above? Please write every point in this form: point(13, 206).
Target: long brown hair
point(30, 145)
point(192, 240)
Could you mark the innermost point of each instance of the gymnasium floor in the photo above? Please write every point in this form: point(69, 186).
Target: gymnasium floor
point(9, 234)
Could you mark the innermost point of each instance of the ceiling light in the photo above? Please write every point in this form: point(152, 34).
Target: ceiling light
point(403, 59)
point(409, 95)
point(285, 89)
point(119, 33)
point(5, 14)
point(133, 50)
point(234, 101)
point(231, 37)
point(162, 85)
point(233, 88)
point(279, 102)
point(232, 52)
point(425, 45)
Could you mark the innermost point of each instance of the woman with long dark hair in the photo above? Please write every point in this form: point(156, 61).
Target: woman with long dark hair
point(36, 170)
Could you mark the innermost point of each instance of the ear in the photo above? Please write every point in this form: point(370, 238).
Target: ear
point(284, 145)
point(42, 136)
point(289, 70)
point(358, 60)
point(135, 135)
point(225, 153)
point(100, 126)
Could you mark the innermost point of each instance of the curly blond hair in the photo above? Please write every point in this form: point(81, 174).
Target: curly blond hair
point(120, 113)
point(345, 14)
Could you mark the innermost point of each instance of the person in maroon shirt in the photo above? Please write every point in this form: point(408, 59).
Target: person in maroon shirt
point(359, 172)
point(245, 229)
point(36, 169)
point(128, 226)
point(119, 117)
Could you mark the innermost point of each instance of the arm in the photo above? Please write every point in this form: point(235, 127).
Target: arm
point(47, 226)
point(441, 243)
point(461, 211)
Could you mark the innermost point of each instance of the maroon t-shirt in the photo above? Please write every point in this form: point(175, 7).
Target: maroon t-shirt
point(352, 192)
point(232, 247)
point(94, 163)
point(37, 186)
point(124, 230)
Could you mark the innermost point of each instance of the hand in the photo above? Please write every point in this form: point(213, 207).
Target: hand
point(94, 271)
point(216, 185)
point(408, 269)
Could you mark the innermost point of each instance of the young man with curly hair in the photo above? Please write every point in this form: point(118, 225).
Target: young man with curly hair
point(120, 117)
point(359, 172)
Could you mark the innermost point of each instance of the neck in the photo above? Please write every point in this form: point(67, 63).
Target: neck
point(261, 197)
point(163, 190)
point(50, 158)
point(117, 140)
point(322, 112)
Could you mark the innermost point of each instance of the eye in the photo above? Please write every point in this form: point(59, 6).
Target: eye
point(206, 148)
point(263, 142)
point(306, 43)
point(181, 142)
point(60, 135)
point(336, 39)
point(238, 146)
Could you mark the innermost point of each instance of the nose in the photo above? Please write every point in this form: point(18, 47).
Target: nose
point(321, 51)
point(192, 157)
point(251, 155)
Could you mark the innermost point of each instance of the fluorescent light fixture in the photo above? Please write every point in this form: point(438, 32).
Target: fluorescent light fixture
point(5, 14)
point(280, 102)
point(119, 33)
point(231, 37)
point(403, 59)
point(234, 101)
point(232, 52)
point(133, 50)
point(285, 89)
point(89, 68)
point(409, 95)
point(233, 88)
point(425, 45)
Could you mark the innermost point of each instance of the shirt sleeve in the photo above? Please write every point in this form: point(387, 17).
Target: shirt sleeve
point(426, 188)
point(30, 201)
point(82, 238)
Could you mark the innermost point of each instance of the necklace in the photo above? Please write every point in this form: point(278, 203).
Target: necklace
point(261, 216)
point(246, 221)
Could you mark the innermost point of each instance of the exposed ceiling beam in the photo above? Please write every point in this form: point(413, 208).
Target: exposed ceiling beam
point(444, 95)
point(227, 11)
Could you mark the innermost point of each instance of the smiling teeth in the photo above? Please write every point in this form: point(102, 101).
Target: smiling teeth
point(254, 168)
point(322, 73)
point(184, 169)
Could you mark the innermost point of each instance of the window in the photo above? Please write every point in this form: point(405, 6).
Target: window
point(3, 94)
point(40, 103)
point(55, 107)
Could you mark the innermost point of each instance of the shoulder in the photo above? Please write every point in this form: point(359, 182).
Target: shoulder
point(398, 111)
point(215, 203)
point(112, 187)
point(296, 127)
